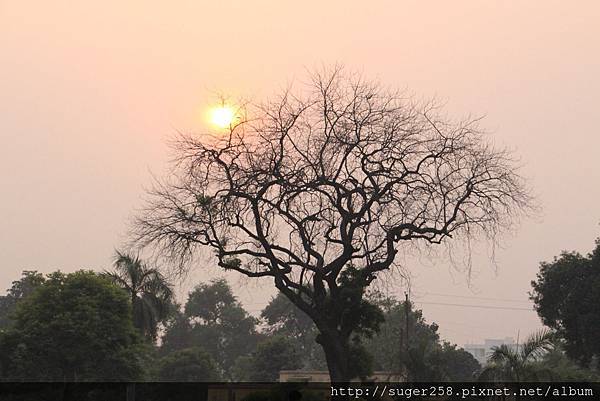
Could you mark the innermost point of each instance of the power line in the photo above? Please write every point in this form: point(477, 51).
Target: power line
point(471, 297)
point(476, 306)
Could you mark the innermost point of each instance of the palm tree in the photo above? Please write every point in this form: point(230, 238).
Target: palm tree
point(522, 363)
point(150, 292)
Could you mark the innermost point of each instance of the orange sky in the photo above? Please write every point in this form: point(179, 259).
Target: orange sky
point(91, 91)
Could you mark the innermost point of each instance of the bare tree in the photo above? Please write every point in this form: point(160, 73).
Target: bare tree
point(319, 190)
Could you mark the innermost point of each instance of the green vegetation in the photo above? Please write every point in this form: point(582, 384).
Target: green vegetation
point(190, 364)
point(150, 293)
point(20, 290)
point(522, 363)
point(566, 294)
point(214, 320)
point(74, 326)
point(125, 325)
point(413, 347)
point(271, 356)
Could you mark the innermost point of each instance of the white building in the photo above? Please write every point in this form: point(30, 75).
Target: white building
point(482, 352)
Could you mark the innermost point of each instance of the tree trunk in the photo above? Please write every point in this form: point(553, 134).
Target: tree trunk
point(336, 355)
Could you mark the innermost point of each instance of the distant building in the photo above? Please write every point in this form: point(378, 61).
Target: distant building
point(482, 352)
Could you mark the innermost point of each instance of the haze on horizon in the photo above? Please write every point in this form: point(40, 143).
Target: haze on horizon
point(90, 94)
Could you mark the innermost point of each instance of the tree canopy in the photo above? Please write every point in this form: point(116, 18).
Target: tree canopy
point(270, 357)
point(566, 294)
point(414, 348)
point(283, 318)
point(188, 364)
point(73, 327)
point(150, 293)
point(214, 320)
point(19, 290)
point(319, 188)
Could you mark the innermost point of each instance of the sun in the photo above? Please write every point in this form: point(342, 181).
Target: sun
point(222, 116)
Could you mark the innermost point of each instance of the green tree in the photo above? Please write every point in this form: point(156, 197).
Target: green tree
point(562, 368)
point(214, 320)
point(73, 327)
point(455, 363)
point(19, 290)
point(285, 319)
point(520, 363)
point(271, 356)
point(189, 364)
point(566, 294)
point(413, 347)
point(150, 293)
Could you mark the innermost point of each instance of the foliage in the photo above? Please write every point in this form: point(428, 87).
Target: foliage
point(566, 294)
point(563, 369)
point(214, 320)
point(189, 364)
point(271, 355)
point(455, 364)
point(19, 290)
point(285, 319)
point(417, 353)
point(73, 327)
point(521, 363)
point(150, 293)
point(210, 302)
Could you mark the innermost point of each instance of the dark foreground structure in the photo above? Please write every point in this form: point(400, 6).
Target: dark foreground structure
point(144, 391)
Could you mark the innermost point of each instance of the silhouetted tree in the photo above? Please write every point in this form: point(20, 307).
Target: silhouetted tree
point(566, 295)
point(150, 293)
point(318, 190)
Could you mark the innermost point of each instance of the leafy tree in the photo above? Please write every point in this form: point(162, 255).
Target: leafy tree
point(20, 290)
point(150, 293)
point(415, 348)
point(189, 364)
point(566, 295)
point(455, 363)
point(318, 190)
point(285, 319)
point(177, 333)
point(73, 327)
point(209, 302)
point(390, 344)
point(562, 368)
point(522, 363)
point(214, 320)
point(272, 355)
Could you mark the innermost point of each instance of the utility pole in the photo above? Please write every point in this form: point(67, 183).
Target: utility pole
point(406, 315)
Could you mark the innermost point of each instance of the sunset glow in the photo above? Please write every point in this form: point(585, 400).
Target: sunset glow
point(222, 116)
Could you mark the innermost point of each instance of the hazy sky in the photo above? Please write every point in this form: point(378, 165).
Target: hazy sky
point(91, 91)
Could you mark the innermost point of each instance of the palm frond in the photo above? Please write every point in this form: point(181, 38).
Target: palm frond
point(536, 345)
point(150, 292)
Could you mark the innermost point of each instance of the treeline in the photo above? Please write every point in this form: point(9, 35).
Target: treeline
point(124, 324)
